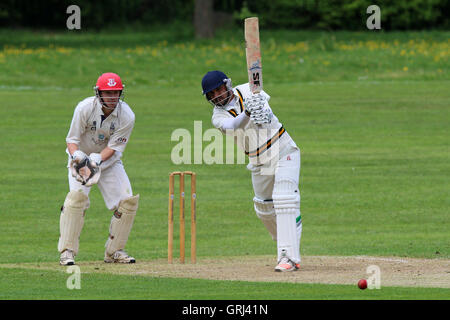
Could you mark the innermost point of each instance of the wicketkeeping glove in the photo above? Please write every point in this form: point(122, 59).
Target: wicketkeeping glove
point(91, 169)
point(96, 159)
point(94, 175)
point(84, 169)
point(78, 157)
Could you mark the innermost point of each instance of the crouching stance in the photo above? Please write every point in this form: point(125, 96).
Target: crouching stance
point(100, 129)
point(274, 160)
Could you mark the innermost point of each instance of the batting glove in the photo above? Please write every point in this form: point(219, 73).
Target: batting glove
point(255, 103)
point(261, 116)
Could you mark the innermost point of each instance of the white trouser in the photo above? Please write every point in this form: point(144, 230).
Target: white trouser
point(115, 187)
point(286, 218)
point(113, 184)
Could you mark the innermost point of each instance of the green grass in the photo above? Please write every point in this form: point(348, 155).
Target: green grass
point(160, 60)
point(370, 112)
point(40, 285)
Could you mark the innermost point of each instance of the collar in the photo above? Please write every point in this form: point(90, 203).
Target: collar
point(233, 103)
point(99, 110)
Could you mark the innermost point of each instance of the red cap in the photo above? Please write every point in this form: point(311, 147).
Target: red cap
point(109, 81)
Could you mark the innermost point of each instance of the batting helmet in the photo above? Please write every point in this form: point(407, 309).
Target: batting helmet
point(109, 81)
point(212, 80)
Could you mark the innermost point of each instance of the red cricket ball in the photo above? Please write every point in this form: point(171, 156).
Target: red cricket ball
point(362, 284)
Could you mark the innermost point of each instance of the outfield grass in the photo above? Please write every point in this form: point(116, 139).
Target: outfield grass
point(170, 60)
point(368, 110)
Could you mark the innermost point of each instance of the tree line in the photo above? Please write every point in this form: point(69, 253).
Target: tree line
point(273, 14)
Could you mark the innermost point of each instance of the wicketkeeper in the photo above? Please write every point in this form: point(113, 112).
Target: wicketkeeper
point(274, 160)
point(100, 130)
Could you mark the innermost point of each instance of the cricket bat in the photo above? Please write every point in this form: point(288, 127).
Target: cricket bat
point(253, 54)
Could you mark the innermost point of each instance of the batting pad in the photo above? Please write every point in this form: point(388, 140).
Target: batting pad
point(266, 213)
point(121, 224)
point(71, 221)
point(286, 200)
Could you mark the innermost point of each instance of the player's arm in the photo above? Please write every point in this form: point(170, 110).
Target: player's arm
point(236, 123)
point(222, 121)
point(77, 128)
point(77, 155)
point(72, 147)
point(104, 155)
point(107, 153)
point(83, 169)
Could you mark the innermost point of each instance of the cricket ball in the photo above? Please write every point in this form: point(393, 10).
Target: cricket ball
point(362, 284)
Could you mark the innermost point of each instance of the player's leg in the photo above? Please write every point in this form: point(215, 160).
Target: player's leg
point(286, 197)
point(117, 193)
point(71, 220)
point(263, 203)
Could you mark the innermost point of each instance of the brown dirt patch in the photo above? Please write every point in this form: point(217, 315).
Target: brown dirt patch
point(395, 271)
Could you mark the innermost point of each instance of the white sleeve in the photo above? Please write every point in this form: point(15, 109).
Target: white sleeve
point(235, 123)
point(77, 126)
point(224, 122)
point(119, 139)
point(218, 117)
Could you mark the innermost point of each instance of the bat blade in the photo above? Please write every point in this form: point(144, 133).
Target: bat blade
point(253, 54)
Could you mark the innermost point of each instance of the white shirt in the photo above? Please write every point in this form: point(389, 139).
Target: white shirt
point(252, 139)
point(92, 132)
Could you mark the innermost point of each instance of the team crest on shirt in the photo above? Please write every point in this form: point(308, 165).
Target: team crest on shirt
point(94, 126)
point(111, 82)
point(101, 137)
point(112, 128)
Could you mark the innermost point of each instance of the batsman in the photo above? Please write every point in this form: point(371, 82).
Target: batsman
point(274, 160)
point(100, 130)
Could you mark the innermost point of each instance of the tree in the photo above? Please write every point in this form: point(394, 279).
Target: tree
point(204, 19)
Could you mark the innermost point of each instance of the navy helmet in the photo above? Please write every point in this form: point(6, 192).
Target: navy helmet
point(212, 80)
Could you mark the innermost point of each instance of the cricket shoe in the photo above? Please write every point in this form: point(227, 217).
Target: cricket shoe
point(119, 256)
point(67, 258)
point(285, 264)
